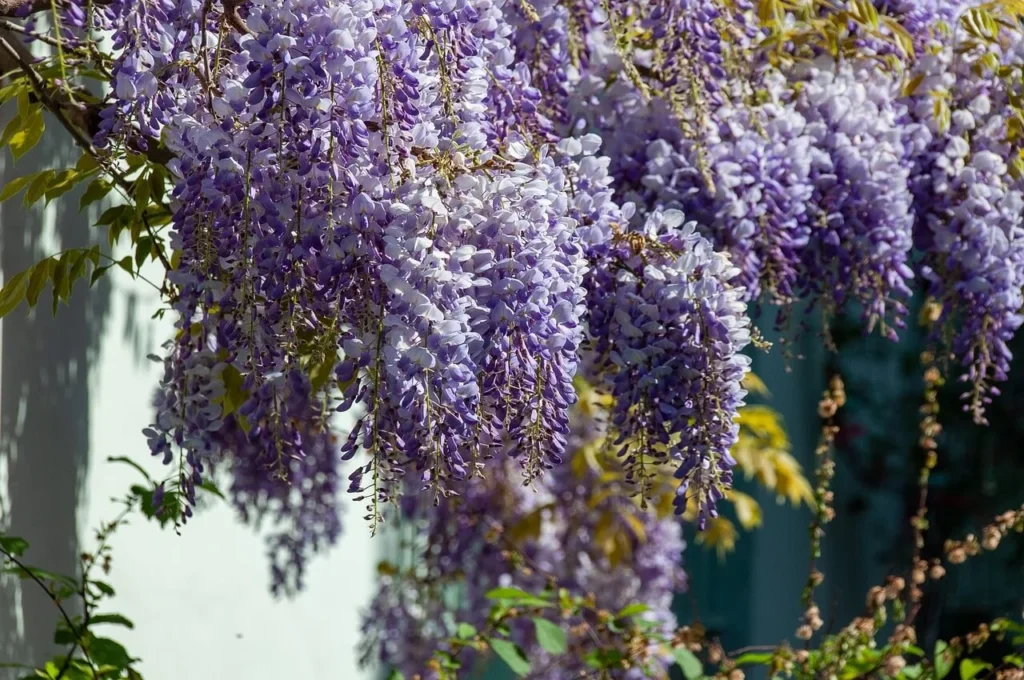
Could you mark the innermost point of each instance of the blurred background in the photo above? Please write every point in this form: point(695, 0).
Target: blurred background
point(76, 390)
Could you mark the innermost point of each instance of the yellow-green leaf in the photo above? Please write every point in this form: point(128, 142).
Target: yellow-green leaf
point(38, 187)
point(12, 293)
point(29, 133)
point(14, 186)
point(37, 280)
point(61, 183)
point(748, 511)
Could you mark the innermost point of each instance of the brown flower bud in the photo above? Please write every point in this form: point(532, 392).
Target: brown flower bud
point(991, 538)
point(876, 597)
point(893, 665)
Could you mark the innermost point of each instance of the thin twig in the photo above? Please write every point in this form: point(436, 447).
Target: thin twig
point(53, 598)
point(832, 400)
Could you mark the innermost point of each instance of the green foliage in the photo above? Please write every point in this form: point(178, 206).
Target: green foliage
point(550, 636)
point(517, 597)
point(512, 655)
point(944, 659)
point(688, 662)
point(89, 653)
point(85, 654)
point(61, 271)
point(25, 129)
point(971, 667)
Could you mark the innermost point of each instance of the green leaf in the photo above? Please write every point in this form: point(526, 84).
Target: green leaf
point(103, 587)
point(210, 487)
point(322, 371)
point(396, 675)
point(107, 652)
point(25, 105)
point(37, 573)
point(143, 249)
point(688, 662)
point(507, 594)
point(14, 186)
point(971, 667)
point(517, 596)
point(12, 128)
point(759, 658)
point(511, 655)
point(38, 187)
point(550, 636)
point(605, 658)
point(141, 194)
point(78, 268)
point(114, 619)
point(169, 509)
point(943, 659)
point(13, 545)
point(12, 293)
point(59, 276)
point(912, 672)
point(465, 631)
point(97, 274)
point(17, 86)
point(1014, 660)
point(86, 163)
point(125, 263)
point(64, 636)
point(37, 281)
point(29, 133)
point(235, 393)
point(62, 183)
point(632, 610)
point(129, 461)
point(110, 215)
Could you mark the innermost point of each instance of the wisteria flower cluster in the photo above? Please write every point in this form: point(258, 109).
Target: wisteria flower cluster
point(374, 210)
point(437, 216)
point(819, 179)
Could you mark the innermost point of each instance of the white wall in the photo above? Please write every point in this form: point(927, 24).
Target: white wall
point(77, 391)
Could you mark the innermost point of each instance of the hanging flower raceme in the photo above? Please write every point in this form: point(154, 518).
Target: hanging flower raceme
point(668, 328)
point(757, 206)
point(352, 177)
point(297, 509)
point(970, 199)
point(368, 215)
point(862, 208)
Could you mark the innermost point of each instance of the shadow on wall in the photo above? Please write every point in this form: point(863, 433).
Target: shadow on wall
point(44, 400)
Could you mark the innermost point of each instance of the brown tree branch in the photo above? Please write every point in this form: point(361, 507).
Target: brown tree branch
point(23, 8)
point(20, 8)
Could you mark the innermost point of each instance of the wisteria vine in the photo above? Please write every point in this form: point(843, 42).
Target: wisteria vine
point(438, 217)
